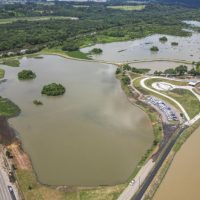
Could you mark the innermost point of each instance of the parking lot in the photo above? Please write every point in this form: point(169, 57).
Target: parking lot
point(164, 108)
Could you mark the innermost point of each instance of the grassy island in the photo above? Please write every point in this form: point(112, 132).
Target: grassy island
point(26, 75)
point(96, 51)
point(154, 48)
point(53, 89)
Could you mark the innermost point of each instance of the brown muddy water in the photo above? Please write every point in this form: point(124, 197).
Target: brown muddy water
point(183, 178)
point(89, 136)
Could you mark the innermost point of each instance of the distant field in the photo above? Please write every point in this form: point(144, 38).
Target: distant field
point(10, 20)
point(138, 7)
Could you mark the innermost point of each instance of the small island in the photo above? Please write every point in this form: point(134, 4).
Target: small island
point(174, 43)
point(154, 48)
point(96, 51)
point(163, 39)
point(26, 75)
point(53, 89)
point(37, 102)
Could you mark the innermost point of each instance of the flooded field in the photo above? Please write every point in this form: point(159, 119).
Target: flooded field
point(89, 136)
point(188, 49)
point(182, 180)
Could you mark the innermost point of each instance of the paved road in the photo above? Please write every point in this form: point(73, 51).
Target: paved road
point(133, 187)
point(4, 193)
point(151, 176)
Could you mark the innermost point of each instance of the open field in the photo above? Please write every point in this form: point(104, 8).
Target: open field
point(11, 20)
point(138, 7)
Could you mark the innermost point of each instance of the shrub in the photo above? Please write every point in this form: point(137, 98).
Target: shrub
point(154, 48)
point(96, 51)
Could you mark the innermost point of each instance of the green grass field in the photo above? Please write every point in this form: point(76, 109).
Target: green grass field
point(130, 8)
point(188, 100)
point(11, 20)
point(2, 73)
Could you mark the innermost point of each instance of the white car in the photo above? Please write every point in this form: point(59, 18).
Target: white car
point(132, 182)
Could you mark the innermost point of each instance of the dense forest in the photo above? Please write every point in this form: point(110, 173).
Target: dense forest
point(95, 22)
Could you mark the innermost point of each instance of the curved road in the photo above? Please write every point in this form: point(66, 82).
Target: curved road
point(142, 82)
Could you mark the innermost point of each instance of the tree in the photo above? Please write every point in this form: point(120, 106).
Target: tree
point(170, 71)
point(193, 72)
point(96, 51)
point(163, 39)
point(126, 80)
point(157, 73)
point(126, 67)
point(154, 48)
point(70, 46)
point(181, 70)
point(118, 71)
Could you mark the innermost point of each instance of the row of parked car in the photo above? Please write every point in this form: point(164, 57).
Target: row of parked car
point(169, 113)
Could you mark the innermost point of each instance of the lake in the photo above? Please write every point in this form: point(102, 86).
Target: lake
point(89, 136)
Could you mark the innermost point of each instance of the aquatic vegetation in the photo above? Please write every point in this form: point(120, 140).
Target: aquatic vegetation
point(53, 89)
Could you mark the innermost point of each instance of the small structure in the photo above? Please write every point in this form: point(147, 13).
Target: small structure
point(193, 83)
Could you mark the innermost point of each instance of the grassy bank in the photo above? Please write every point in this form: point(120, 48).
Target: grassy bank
point(2, 73)
point(32, 190)
point(153, 116)
point(8, 108)
point(12, 62)
point(72, 54)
